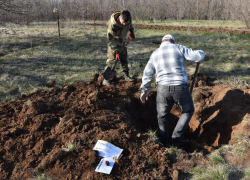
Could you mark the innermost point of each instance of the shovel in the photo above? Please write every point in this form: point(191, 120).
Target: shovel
point(110, 73)
point(195, 73)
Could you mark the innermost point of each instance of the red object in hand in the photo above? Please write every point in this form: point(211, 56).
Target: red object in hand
point(132, 35)
point(117, 56)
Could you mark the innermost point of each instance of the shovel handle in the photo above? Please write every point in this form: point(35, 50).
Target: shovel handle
point(129, 40)
point(156, 42)
point(116, 61)
point(196, 70)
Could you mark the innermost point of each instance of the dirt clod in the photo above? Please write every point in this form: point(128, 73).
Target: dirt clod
point(107, 163)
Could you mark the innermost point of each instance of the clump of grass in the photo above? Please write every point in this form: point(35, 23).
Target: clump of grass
point(70, 147)
point(242, 140)
point(29, 102)
point(215, 158)
point(156, 176)
point(218, 169)
point(198, 170)
point(225, 148)
point(246, 118)
point(238, 137)
point(150, 163)
point(218, 172)
point(152, 135)
point(243, 143)
point(136, 177)
point(128, 100)
point(240, 151)
point(247, 173)
point(174, 150)
point(41, 177)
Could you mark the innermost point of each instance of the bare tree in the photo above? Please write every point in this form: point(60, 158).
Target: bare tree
point(13, 6)
point(243, 12)
point(14, 10)
point(34, 10)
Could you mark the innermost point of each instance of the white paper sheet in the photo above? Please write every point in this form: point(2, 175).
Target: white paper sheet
point(103, 168)
point(107, 149)
point(109, 152)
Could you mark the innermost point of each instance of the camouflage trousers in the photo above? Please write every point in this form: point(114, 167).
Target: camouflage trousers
point(123, 58)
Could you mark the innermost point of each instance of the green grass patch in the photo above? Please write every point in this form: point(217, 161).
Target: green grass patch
point(31, 56)
point(247, 173)
point(218, 168)
point(219, 172)
point(215, 158)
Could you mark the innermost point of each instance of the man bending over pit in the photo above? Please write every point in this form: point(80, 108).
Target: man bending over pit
point(167, 62)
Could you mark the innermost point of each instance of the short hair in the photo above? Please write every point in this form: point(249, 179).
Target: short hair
point(126, 16)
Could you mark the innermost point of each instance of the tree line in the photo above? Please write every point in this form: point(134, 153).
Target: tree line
point(21, 11)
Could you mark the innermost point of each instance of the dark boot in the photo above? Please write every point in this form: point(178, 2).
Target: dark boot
point(127, 77)
point(180, 141)
point(107, 83)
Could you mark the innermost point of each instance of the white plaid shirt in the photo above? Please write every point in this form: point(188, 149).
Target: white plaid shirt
point(168, 63)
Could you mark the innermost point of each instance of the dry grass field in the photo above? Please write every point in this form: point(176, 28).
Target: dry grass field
point(54, 107)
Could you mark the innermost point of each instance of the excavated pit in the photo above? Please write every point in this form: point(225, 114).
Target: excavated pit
point(36, 128)
point(218, 112)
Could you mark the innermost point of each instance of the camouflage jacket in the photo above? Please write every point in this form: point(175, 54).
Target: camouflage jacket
point(117, 33)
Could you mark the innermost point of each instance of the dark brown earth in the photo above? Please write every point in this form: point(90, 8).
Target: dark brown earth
point(36, 128)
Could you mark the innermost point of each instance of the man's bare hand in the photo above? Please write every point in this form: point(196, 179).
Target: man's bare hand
point(144, 97)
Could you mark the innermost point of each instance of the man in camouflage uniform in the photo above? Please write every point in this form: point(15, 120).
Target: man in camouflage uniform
point(119, 25)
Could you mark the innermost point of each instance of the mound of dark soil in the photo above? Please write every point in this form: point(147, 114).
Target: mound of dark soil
point(36, 129)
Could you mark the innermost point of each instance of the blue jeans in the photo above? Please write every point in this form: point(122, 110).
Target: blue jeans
point(166, 97)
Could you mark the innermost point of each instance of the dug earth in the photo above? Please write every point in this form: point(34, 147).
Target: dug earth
point(54, 132)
